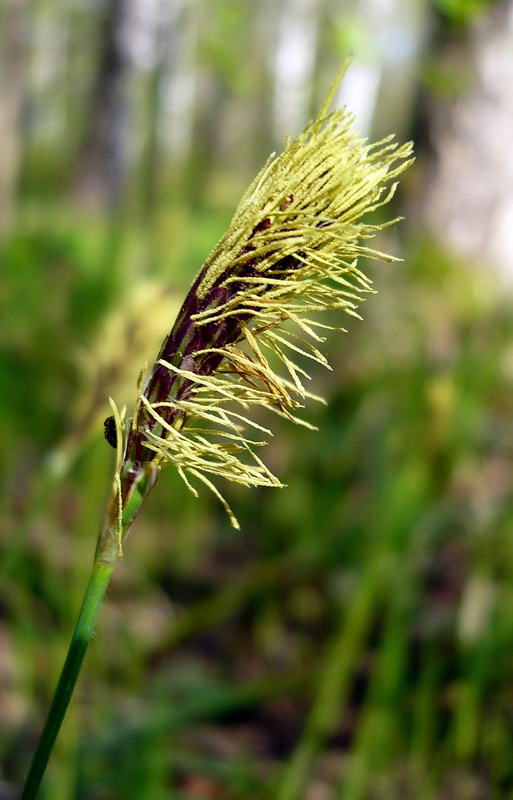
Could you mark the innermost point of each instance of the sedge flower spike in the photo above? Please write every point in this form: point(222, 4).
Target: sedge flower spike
point(291, 250)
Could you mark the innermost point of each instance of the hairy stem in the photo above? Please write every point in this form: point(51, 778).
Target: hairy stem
point(84, 627)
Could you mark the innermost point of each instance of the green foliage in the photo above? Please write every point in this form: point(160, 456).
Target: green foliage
point(446, 81)
point(462, 12)
point(373, 590)
point(231, 22)
point(54, 290)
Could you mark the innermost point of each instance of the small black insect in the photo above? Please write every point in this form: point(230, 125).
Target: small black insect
point(110, 431)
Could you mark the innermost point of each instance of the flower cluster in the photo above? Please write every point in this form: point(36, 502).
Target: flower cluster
point(291, 250)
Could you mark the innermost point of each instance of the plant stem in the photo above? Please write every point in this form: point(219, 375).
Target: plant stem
point(93, 597)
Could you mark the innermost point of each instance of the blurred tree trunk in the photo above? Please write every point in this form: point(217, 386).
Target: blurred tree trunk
point(390, 37)
point(179, 86)
point(469, 198)
point(294, 66)
point(102, 162)
point(261, 51)
point(12, 74)
point(222, 44)
point(166, 35)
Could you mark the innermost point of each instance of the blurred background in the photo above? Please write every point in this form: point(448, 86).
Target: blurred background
point(356, 640)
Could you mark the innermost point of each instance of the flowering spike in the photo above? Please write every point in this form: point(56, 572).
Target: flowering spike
point(290, 251)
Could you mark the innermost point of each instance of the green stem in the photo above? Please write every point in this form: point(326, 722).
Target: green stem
point(93, 597)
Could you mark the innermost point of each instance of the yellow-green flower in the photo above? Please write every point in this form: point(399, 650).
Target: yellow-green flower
point(292, 250)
